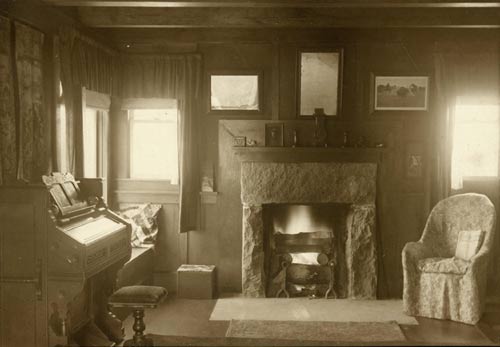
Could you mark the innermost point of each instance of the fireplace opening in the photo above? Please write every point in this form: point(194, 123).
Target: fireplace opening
point(304, 250)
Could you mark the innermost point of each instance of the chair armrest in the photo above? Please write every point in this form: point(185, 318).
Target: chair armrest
point(414, 251)
point(479, 260)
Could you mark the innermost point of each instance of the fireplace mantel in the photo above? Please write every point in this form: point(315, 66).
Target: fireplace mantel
point(308, 154)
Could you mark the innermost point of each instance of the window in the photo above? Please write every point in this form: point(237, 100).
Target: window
point(62, 147)
point(94, 143)
point(475, 142)
point(153, 144)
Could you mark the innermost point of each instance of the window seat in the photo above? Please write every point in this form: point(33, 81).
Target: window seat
point(139, 269)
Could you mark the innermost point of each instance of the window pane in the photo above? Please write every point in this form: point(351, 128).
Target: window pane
point(62, 145)
point(153, 144)
point(234, 92)
point(90, 143)
point(475, 142)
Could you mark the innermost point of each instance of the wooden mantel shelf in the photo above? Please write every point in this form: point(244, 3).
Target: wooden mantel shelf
point(308, 154)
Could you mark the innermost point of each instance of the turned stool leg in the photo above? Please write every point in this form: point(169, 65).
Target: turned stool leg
point(139, 327)
point(139, 338)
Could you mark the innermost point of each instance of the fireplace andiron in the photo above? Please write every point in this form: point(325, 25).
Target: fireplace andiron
point(281, 276)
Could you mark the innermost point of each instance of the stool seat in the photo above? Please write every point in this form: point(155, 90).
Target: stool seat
point(138, 298)
point(137, 295)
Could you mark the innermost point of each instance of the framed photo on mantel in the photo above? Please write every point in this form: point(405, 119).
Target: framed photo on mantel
point(274, 134)
point(320, 82)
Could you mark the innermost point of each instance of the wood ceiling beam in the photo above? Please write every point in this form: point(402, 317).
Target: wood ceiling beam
point(280, 3)
point(137, 17)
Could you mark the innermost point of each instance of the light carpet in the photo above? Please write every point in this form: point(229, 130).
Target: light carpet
point(304, 309)
point(374, 332)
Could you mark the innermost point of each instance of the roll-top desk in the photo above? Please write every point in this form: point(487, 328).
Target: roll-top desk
point(61, 247)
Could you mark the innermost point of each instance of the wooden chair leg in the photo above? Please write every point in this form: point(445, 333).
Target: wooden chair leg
point(139, 339)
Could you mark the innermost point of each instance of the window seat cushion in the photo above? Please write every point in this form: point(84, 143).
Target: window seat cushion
point(144, 220)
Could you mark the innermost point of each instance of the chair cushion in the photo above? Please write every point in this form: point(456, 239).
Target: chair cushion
point(469, 242)
point(443, 265)
point(138, 295)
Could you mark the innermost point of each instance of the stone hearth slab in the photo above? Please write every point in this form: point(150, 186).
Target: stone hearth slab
point(303, 309)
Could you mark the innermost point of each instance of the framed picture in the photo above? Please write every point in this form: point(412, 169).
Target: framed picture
point(240, 141)
point(399, 93)
point(320, 82)
point(274, 134)
point(414, 160)
point(234, 92)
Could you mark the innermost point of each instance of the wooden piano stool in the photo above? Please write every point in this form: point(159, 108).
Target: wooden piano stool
point(138, 298)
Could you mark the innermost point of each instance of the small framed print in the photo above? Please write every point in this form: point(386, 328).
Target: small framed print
point(240, 141)
point(414, 160)
point(274, 134)
point(238, 92)
point(414, 166)
point(399, 93)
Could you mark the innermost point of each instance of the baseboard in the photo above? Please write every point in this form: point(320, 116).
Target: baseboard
point(493, 299)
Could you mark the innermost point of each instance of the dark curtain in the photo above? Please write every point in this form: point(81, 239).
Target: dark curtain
point(460, 73)
point(84, 63)
point(23, 120)
point(175, 77)
point(443, 128)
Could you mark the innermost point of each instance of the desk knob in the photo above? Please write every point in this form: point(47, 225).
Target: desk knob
point(72, 260)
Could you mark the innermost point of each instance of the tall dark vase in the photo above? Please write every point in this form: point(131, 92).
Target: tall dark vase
point(320, 133)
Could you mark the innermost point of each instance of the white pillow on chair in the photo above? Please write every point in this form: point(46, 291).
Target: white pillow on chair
point(469, 242)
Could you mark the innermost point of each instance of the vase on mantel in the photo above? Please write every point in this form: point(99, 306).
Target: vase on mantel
point(320, 134)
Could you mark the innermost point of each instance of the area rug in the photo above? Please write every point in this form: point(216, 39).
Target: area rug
point(170, 341)
point(303, 309)
point(355, 332)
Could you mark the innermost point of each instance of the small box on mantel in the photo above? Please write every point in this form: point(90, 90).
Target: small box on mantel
point(196, 281)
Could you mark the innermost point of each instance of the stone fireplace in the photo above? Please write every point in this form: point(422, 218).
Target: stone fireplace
point(353, 184)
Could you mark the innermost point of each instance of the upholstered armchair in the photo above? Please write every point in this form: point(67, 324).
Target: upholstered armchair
point(439, 282)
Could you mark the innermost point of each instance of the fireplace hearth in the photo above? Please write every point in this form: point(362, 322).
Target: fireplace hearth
point(350, 184)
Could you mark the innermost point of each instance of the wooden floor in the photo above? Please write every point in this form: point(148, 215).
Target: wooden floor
point(190, 318)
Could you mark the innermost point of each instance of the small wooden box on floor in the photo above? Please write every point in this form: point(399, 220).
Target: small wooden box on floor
point(196, 282)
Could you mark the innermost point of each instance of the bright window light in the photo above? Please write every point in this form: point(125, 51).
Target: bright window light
point(62, 144)
point(153, 144)
point(475, 142)
point(90, 143)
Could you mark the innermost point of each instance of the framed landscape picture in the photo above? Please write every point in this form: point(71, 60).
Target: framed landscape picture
point(399, 93)
point(320, 82)
point(234, 92)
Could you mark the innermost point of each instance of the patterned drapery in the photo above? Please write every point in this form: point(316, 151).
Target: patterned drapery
point(23, 123)
point(33, 158)
point(8, 150)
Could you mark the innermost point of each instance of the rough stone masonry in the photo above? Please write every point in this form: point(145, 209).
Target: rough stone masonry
point(311, 183)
